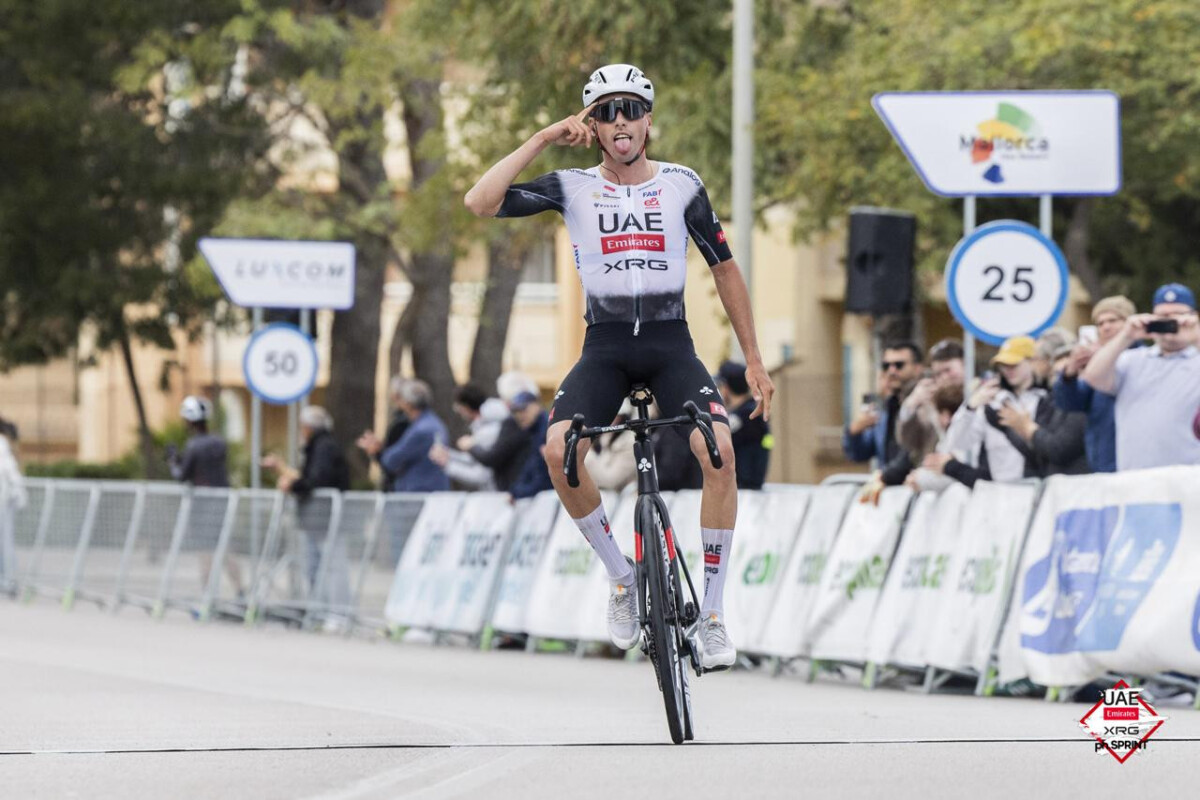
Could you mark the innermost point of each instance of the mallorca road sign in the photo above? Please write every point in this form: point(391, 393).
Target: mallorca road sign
point(1008, 143)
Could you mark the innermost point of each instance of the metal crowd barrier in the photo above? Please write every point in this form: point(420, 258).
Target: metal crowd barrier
point(242, 554)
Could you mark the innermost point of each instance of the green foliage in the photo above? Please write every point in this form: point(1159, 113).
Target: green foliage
point(97, 151)
point(826, 149)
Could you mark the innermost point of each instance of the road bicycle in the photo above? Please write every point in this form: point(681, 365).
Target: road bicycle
point(667, 615)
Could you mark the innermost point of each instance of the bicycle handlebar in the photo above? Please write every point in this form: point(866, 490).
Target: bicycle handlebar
point(703, 421)
point(695, 416)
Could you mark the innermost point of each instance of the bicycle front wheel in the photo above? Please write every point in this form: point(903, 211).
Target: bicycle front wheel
point(665, 631)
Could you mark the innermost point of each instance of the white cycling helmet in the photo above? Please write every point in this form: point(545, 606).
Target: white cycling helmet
point(618, 79)
point(195, 409)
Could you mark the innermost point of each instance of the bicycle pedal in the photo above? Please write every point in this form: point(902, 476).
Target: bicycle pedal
point(705, 670)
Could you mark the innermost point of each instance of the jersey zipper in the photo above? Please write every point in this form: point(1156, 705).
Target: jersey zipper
point(635, 274)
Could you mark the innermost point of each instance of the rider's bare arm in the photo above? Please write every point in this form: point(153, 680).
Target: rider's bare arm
point(486, 196)
point(731, 288)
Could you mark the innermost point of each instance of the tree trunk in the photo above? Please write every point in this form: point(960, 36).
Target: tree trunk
point(431, 270)
point(506, 262)
point(1076, 248)
point(150, 465)
point(354, 352)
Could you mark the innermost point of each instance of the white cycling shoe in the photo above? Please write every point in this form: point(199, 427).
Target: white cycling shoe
point(624, 626)
point(716, 650)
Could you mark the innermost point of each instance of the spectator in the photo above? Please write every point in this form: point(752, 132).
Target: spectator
point(752, 440)
point(408, 458)
point(978, 445)
point(484, 416)
point(946, 401)
point(1052, 438)
point(12, 499)
point(872, 433)
point(204, 463)
point(1155, 387)
point(1072, 393)
point(534, 476)
point(397, 424)
point(324, 467)
point(610, 460)
point(919, 429)
point(678, 467)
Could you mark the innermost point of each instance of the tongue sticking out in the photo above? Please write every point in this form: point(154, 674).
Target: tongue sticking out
point(623, 146)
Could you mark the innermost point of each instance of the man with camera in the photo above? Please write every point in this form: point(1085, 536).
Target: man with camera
point(872, 433)
point(1156, 387)
point(1072, 393)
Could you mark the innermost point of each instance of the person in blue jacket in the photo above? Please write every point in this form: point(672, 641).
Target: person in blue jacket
point(1072, 393)
point(872, 434)
point(408, 459)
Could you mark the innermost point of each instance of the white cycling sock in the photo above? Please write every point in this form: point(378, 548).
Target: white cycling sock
point(595, 529)
point(716, 556)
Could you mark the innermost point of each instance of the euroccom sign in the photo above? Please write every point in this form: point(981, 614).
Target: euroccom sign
point(270, 273)
point(1008, 143)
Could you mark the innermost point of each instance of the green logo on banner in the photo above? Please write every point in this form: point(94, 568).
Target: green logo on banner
point(761, 569)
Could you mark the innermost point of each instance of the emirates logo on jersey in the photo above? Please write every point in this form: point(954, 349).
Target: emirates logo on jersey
point(632, 241)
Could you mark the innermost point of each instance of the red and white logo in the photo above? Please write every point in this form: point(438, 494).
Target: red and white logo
point(652, 202)
point(717, 408)
point(721, 237)
point(632, 241)
point(1121, 722)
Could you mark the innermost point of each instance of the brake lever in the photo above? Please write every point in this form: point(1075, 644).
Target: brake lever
point(703, 422)
point(570, 468)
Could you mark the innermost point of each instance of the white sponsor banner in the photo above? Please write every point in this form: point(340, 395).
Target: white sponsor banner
point(534, 520)
point(562, 581)
point(1110, 577)
point(979, 579)
point(684, 507)
point(911, 596)
point(853, 578)
point(786, 631)
point(422, 577)
point(477, 548)
point(1009, 143)
point(592, 611)
point(275, 273)
point(767, 526)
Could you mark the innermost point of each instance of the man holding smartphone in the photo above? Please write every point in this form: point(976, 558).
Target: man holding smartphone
point(1072, 393)
point(1155, 387)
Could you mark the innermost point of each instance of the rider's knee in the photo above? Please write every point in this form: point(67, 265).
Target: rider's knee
point(725, 448)
point(555, 452)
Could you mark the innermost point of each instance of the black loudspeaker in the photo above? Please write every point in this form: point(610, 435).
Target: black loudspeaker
point(879, 261)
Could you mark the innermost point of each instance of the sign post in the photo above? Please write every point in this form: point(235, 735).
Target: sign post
point(1007, 144)
point(280, 362)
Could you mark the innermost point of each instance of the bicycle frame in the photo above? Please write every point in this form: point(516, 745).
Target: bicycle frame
point(664, 612)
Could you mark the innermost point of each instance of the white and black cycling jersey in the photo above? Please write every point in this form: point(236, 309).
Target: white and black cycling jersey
point(630, 242)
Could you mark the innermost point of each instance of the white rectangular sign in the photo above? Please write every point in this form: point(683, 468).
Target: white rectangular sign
point(274, 273)
point(1008, 143)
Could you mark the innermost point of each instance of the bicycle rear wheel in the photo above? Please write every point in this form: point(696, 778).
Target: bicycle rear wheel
point(665, 631)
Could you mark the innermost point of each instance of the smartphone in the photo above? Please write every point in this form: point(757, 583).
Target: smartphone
point(1162, 326)
point(870, 399)
point(1089, 334)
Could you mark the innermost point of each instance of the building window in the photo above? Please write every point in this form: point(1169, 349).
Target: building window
point(539, 267)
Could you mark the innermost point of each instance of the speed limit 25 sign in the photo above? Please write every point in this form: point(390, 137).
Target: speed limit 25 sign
point(1006, 279)
point(280, 363)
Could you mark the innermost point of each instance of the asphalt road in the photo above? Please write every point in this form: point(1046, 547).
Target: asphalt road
point(97, 706)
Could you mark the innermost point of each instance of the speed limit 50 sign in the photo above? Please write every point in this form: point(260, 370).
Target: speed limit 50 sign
point(1006, 279)
point(280, 363)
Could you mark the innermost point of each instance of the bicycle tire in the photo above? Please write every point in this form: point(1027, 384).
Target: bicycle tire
point(668, 662)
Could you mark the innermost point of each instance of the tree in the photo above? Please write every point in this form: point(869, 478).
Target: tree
point(98, 163)
point(827, 150)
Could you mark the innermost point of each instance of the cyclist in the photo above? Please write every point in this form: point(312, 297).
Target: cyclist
point(203, 463)
point(629, 219)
